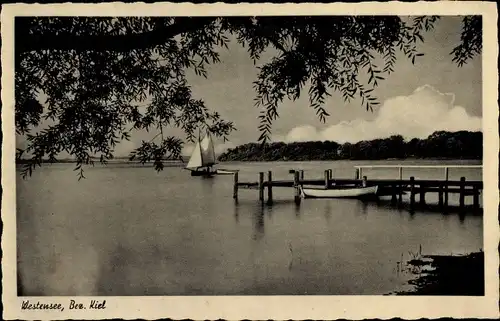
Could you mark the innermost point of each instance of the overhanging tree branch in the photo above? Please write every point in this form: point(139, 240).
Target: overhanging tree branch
point(26, 42)
point(125, 60)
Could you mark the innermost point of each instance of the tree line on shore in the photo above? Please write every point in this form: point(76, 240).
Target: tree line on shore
point(440, 144)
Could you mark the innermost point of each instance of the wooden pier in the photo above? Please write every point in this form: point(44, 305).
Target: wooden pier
point(395, 188)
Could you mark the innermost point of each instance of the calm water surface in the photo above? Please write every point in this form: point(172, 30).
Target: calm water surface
point(128, 230)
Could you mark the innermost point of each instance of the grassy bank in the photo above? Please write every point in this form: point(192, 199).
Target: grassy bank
point(448, 275)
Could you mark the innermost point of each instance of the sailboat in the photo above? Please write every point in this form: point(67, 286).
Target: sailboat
point(203, 159)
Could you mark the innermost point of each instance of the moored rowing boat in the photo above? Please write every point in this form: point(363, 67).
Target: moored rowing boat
point(356, 192)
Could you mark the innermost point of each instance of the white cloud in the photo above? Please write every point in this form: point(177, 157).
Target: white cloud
point(303, 133)
point(417, 115)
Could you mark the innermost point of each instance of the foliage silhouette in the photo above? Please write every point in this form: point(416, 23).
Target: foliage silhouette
point(104, 77)
point(441, 144)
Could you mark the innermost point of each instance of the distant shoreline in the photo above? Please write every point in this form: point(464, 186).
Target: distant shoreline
point(354, 160)
point(441, 145)
point(96, 162)
point(179, 163)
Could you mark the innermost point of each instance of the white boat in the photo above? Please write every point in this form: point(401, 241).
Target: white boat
point(226, 171)
point(355, 192)
point(203, 157)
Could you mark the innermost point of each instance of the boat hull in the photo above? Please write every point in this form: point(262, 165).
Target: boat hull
point(203, 173)
point(212, 172)
point(360, 192)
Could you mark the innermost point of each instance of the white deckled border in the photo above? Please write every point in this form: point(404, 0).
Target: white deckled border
point(262, 307)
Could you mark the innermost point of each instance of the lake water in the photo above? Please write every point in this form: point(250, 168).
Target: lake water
point(128, 230)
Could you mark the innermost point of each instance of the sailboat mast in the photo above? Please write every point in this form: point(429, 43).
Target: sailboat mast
point(199, 146)
point(207, 135)
point(213, 146)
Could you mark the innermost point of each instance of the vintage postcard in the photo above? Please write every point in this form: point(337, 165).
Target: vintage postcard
point(250, 161)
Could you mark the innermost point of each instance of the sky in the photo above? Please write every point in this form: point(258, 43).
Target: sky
point(416, 100)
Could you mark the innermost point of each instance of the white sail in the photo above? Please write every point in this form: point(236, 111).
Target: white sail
point(196, 160)
point(207, 150)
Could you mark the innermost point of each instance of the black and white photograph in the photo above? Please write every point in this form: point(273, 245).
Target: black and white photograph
point(258, 154)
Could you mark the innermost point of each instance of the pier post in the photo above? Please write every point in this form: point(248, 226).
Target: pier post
point(261, 186)
point(440, 195)
point(400, 187)
point(356, 174)
point(446, 176)
point(296, 185)
point(462, 192)
point(301, 175)
point(235, 186)
point(475, 196)
point(422, 194)
point(269, 187)
point(412, 191)
point(393, 194)
point(327, 179)
point(400, 198)
point(330, 176)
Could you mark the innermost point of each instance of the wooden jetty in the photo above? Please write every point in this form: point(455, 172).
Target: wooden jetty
point(395, 187)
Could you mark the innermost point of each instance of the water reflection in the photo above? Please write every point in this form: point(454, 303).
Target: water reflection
point(258, 218)
point(328, 211)
point(208, 183)
point(297, 210)
point(236, 211)
point(360, 206)
point(269, 210)
point(259, 211)
point(364, 207)
point(461, 216)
